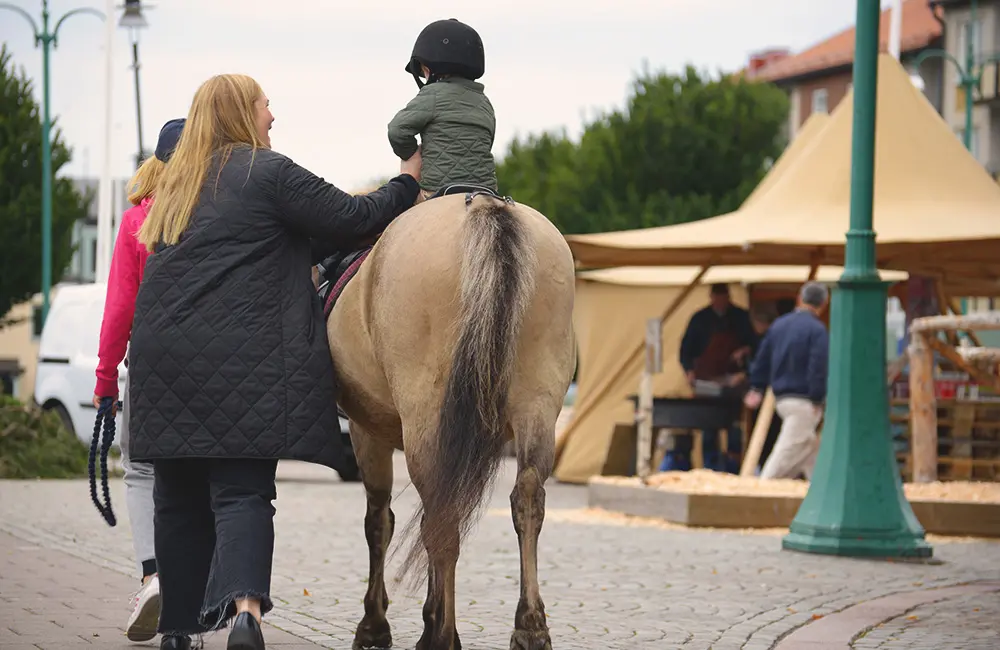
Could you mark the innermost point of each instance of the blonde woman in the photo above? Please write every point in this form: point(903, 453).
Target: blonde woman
point(229, 362)
point(127, 264)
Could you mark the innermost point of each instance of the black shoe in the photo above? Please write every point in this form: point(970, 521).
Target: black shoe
point(175, 643)
point(246, 633)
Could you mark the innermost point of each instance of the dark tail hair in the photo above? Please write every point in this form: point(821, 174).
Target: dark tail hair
point(497, 283)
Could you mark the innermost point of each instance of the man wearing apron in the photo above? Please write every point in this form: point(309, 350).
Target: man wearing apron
point(716, 345)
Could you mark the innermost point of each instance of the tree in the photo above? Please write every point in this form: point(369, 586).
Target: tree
point(685, 147)
point(21, 192)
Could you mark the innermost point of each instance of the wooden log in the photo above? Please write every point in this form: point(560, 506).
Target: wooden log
point(644, 425)
point(923, 410)
point(942, 300)
point(752, 457)
point(953, 355)
point(987, 320)
point(979, 354)
point(956, 308)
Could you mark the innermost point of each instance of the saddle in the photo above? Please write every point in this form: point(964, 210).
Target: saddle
point(335, 272)
point(470, 191)
point(338, 269)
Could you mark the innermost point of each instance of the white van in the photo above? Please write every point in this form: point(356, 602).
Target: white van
point(67, 361)
point(67, 357)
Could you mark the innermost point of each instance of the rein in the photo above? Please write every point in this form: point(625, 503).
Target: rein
point(106, 422)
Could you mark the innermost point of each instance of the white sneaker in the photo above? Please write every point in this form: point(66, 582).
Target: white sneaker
point(145, 612)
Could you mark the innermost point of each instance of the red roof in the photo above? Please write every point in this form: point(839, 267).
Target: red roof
point(919, 29)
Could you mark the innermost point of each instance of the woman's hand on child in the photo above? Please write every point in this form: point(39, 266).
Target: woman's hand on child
point(412, 165)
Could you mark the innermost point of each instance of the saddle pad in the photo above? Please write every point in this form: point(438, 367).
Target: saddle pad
point(342, 281)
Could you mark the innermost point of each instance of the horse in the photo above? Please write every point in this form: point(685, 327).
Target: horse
point(454, 337)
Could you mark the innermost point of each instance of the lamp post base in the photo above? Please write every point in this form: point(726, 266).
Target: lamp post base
point(855, 505)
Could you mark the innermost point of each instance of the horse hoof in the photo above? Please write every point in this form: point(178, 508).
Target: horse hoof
point(425, 644)
point(530, 640)
point(384, 643)
point(372, 636)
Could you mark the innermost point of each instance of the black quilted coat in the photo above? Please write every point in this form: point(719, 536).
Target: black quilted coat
point(228, 355)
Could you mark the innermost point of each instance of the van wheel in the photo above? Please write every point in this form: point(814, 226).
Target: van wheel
point(63, 414)
point(350, 472)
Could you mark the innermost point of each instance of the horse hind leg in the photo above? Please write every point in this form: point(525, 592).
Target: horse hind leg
point(375, 461)
point(535, 456)
point(441, 541)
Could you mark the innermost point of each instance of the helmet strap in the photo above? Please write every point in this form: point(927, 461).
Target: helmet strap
point(416, 77)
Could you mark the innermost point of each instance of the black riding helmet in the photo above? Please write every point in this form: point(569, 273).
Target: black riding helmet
point(447, 47)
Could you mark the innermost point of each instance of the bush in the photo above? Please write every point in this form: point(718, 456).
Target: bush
point(35, 444)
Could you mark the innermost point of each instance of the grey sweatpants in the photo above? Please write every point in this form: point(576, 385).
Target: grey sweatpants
point(138, 495)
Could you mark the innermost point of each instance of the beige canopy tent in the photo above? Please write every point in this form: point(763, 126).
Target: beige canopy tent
point(610, 315)
point(937, 211)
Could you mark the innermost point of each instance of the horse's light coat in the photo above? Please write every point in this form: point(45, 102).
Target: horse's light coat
point(396, 334)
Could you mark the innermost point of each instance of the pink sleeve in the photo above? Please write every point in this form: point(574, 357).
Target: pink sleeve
point(119, 305)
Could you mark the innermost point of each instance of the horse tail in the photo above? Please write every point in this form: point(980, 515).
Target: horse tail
point(497, 281)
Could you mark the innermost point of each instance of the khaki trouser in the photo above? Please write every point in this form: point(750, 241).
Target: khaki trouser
point(797, 444)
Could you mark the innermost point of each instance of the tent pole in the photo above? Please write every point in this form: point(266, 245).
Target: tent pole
point(667, 313)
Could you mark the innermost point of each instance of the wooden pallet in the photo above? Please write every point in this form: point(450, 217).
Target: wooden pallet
point(968, 440)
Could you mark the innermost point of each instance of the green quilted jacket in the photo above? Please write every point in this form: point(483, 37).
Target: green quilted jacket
point(456, 124)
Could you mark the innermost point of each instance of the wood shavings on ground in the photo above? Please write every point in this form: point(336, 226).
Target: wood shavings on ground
point(600, 517)
point(701, 481)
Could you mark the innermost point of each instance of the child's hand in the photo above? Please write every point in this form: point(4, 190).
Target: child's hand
point(412, 165)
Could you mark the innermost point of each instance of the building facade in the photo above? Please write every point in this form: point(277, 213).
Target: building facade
point(818, 78)
point(985, 30)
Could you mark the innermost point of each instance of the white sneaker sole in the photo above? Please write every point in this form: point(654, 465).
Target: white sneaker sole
point(143, 626)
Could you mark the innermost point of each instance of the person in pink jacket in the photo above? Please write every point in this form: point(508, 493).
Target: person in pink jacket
point(127, 264)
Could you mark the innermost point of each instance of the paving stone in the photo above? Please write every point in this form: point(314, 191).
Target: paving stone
point(970, 622)
point(604, 585)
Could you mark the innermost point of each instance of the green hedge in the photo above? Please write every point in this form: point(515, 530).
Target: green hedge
point(35, 444)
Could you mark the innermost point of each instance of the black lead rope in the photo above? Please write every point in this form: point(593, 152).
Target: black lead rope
point(106, 422)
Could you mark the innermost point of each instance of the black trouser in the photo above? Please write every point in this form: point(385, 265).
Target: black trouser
point(214, 539)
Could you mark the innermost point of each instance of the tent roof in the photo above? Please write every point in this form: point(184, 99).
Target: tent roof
point(681, 276)
point(807, 137)
point(937, 211)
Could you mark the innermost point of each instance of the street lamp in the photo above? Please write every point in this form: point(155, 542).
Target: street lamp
point(133, 20)
point(969, 75)
point(855, 505)
point(47, 40)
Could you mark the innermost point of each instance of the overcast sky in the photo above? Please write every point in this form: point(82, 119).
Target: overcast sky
point(333, 69)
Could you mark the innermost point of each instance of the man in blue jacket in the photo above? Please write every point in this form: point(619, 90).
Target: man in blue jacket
point(793, 360)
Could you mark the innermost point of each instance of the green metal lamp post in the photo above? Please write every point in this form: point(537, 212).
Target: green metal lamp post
point(855, 505)
point(47, 40)
point(969, 74)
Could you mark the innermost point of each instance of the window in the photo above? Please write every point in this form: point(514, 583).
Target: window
point(819, 100)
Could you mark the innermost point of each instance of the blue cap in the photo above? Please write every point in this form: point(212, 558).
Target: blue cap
point(170, 134)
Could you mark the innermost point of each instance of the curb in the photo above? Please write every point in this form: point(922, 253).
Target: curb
point(837, 631)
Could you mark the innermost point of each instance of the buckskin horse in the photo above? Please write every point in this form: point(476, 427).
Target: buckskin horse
point(454, 336)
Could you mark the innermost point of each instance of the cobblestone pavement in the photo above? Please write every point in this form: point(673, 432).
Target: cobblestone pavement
point(966, 623)
point(605, 585)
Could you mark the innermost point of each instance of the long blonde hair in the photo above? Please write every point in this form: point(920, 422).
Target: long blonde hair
point(223, 115)
point(147, 178)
